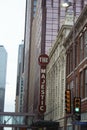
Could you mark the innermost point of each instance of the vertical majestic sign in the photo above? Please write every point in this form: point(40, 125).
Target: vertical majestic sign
point(43, 60)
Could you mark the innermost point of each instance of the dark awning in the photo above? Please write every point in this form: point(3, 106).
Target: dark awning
point(45, 123)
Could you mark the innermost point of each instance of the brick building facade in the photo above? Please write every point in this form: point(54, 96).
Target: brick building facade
point(76, 64)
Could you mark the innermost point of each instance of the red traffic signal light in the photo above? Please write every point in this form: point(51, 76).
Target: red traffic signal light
point(68, 101)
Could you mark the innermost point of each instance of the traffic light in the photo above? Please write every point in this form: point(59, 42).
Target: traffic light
point(68, 101)
point(77, 108)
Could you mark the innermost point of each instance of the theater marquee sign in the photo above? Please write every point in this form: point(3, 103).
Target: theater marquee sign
point(43, 60)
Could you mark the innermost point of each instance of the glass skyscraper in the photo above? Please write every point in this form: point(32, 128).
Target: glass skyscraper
point(3, 67)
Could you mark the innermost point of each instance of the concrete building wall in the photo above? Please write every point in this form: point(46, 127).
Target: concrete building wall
point(34, 67)
point(19, 78)
point(29, 15)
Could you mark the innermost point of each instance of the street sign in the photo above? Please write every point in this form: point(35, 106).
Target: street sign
point(79, 123)
point(43, 59)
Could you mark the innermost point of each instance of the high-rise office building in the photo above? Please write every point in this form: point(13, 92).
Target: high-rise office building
point(19, 87)
point(29, 16)
point(40, 34)
point(3, 67)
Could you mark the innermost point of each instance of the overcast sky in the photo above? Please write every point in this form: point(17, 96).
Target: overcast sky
point(12, 20)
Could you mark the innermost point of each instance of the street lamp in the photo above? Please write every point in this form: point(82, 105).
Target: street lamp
point(66, 4)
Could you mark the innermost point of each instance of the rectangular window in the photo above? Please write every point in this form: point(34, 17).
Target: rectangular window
point(71, 59)
point(76, 53)
point(85, 82)
point(68, 63)
point(81, 84)
point(85, 44)
point(81, 48)
point(72, 92)
point(76, 86)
